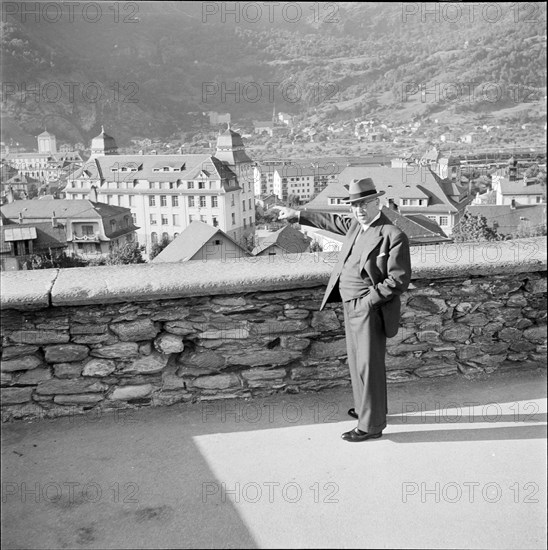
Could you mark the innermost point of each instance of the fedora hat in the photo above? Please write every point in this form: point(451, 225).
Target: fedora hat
point(362, 189)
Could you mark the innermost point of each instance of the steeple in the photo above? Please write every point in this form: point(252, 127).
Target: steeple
point(103, 144)
point(230, 148)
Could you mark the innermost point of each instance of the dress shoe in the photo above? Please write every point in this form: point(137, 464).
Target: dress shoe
point(352, 413)
point(356, 435)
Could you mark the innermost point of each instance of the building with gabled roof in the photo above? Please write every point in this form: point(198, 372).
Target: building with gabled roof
point(413, 189)
point(91, 229)
point(167, 192)
point(201, 241)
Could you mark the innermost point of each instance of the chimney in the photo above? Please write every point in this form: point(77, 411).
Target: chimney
point(93, 194)
point(53, 220)
point(9, 195)
point(392, 205)
point(513, 204)
point(20, 217)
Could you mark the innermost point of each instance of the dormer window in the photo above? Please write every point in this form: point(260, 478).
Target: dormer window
point(166, 168)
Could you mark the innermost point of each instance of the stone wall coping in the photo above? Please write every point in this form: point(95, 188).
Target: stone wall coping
point(147, 282)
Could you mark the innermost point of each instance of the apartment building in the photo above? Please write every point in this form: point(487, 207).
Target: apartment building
point(167, 192)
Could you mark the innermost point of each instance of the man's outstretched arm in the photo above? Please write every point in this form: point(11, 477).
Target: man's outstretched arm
point(336, 223)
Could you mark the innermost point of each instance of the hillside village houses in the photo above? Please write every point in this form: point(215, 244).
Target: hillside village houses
point(167, 192)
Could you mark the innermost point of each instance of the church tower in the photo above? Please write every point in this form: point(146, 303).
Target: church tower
point(103, 145)
point(47, 143)
point(231, 150)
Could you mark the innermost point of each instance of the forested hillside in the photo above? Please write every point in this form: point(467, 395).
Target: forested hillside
point(145, 68)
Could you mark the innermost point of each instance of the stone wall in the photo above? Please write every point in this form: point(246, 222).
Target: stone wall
point(72, 340)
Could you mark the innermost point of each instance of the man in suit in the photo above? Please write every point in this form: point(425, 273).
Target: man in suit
point(373, 269)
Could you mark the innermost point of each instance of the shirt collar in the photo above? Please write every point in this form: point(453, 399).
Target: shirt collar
point(366, 227)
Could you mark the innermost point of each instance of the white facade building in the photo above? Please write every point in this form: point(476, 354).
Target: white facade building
point(167, 192)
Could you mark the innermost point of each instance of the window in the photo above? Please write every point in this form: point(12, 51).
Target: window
point(163, 200)
point(119, 200)
point(232, 200)
point(243, 205)
point(109, 199)
point(153, 220)
point(250, 204)
point(191, 185)
point(444, 221)
point(154, 237)
point(134, 218)
point(113, 225)
point(175, 219)
point(217, 242)
point(151, 200)
point(151, 185)
point(190, 201)
point(215, 222)
point(165, 220)
point(202, 201)
point(245, 225)
point(233, 218)
point(87, 230)
point(203, 218)
point(201, 185)
point(405, 202)
point(131, 200)
point(214, 201)
point(175, 200)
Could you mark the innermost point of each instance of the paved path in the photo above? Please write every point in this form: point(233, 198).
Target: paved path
point(462, 464)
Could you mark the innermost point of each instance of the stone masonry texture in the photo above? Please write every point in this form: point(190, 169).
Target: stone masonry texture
point(71, 359)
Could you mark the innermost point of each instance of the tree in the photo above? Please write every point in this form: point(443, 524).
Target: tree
point(158, 247)
point(129, 253)
point(472, 228)
point(293, 201)
point(53, 260)
point(33, 191)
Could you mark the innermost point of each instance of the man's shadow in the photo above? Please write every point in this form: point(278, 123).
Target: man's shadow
point(522, 428)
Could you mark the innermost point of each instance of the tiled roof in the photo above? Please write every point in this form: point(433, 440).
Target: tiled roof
point(517, 187)
point(508, 218)
point(101, 167)
point(63, 208)
point(289, 239)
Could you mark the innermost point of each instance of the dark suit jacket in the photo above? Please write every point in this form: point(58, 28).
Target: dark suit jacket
point(386, 261)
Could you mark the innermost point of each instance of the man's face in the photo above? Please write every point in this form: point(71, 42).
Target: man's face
point(365, 210)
